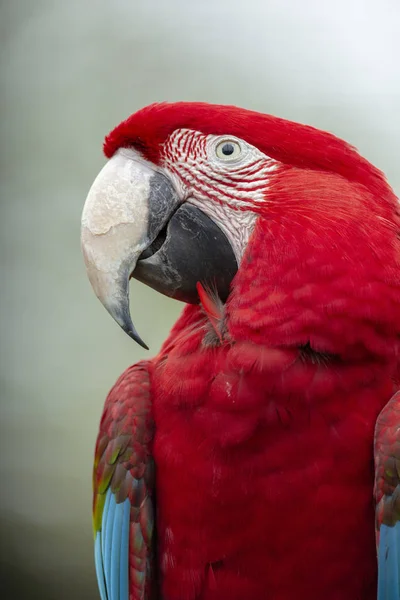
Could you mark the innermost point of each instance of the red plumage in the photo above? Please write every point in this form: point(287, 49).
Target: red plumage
point(289, 142)
point(264, 438)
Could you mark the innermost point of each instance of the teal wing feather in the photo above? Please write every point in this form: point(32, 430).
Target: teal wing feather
point(123, 491)
point(387, 497)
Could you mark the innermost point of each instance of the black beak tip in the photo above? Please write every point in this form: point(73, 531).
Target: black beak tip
point(131, 331)
point(122, 316)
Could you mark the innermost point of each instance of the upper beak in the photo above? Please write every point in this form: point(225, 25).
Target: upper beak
point(134, 224)
point(127, 206)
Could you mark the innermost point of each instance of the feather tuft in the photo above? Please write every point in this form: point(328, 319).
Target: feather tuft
point(213, 307)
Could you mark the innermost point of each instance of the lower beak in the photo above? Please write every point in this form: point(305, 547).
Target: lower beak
point(134, 225)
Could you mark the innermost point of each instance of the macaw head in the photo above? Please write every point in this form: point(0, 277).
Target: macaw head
point(289, 225)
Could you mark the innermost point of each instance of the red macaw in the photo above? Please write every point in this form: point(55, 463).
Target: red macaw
point(239, 462)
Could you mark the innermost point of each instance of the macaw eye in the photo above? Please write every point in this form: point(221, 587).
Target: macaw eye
point(228, 150)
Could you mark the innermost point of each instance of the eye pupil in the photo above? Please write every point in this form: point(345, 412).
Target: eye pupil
point(227, 149)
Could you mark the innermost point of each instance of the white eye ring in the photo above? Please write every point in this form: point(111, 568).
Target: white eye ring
point(228, 150)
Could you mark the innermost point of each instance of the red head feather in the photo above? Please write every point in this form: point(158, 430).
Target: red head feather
point(288, 142)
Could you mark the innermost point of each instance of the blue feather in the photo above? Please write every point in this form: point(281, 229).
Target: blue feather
point(116, 549)
point(389, 563)
point(98, 561)
point(112, 550)
point(103, 523)
point(108, 523)
point(124, 556)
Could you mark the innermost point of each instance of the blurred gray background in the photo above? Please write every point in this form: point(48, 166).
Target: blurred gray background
point(69, 72)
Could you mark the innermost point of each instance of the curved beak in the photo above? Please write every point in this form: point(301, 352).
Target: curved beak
point(135, 225)
point(127, 206)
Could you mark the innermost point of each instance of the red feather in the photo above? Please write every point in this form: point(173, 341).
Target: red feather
point(213, 308)
point(288, 142)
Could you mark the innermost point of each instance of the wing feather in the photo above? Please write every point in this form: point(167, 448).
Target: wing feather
point(98, 559)
point(387, 497)
point(123, 488)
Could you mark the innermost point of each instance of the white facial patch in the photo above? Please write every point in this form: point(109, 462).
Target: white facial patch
point(224, 176)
